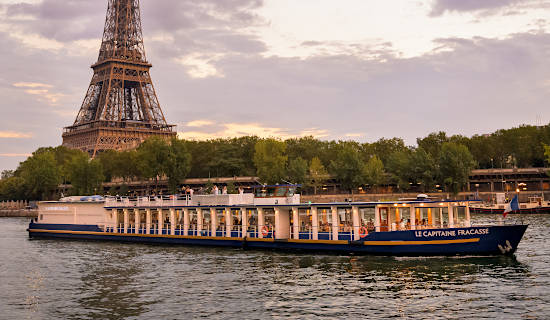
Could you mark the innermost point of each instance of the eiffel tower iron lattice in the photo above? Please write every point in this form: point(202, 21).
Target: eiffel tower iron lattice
point(121, 108)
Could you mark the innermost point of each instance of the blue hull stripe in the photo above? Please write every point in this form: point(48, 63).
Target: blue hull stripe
point(492, 240)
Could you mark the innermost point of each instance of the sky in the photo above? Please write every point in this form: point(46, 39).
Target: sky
point(348, 69)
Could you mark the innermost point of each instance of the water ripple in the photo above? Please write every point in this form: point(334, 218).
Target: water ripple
point(49, 279)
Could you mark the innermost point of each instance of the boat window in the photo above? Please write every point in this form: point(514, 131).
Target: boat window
point(237, 221)
point(366, 216)
point(291, 191)
point(460, 216)
point(437, 216)
point(346, 219)
point(269, 218)
point(206, 219)
point(445, 220)
point(384, 215)
point(192, 219)
point(325, 220)
point(220, 215)
point(252, 216)
point(280, 191)
point(304, 217)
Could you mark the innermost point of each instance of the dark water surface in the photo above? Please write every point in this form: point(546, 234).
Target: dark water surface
point(53, 279)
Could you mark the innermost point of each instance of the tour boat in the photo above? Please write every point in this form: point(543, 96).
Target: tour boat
point(273, 217)
point(536, 205)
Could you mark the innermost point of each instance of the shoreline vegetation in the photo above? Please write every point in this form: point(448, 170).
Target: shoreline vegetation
point(437, 161)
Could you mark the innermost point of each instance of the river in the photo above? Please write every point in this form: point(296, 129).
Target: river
point(54, 279)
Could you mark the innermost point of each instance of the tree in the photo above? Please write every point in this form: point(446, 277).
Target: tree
point(297, 170)
point(12, 188)
point(399, 167)
point(270, 160)
point(317, 174)
point(347, 166)
point(178, 164)
point(86, 175)
point(423, 169)
point(109, 163)
point(455, 163)
point(373, 172)
point(41, 175)
point(432, 143)
point(153, 155)
point(547, 153)
point(6, 174)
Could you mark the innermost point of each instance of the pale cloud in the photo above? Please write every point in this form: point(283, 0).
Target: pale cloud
point(31, 85)
point(354, 135)
point(200, 65)
point(199, 123)
point(232, 130)
point(41, 90)
point(15, 135)
point(15, 155)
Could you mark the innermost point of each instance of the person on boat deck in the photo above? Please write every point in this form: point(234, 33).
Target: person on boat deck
point(408, 223)
point(191, 191)
point(215, 190)
point(370, 225)
point(402, 224)
point(224, 190)
point(241, 190)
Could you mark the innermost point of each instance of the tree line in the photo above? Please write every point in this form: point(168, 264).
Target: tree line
point(436, 160)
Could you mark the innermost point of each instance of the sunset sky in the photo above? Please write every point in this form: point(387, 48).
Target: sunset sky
point(347, 69)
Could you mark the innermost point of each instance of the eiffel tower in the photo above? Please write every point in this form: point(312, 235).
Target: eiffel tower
point(121, 108)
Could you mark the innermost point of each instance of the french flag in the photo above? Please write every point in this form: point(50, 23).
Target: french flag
point(511, 206)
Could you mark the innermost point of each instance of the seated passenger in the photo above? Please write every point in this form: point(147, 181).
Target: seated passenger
point(402, 225)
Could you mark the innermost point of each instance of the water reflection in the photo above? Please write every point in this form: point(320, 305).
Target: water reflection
point(92, 280)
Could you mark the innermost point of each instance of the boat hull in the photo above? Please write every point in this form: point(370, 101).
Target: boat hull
point(487, 240)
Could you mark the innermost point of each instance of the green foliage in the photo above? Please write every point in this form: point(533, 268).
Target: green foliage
point(153, 155)
point(270, 160)
point(297, 170)
point(109, 163)
point(177, 164)
point(85, 175)
point(317, 174)
point(455, 163)
point(6, 174)
point(208, 186)
point(231, 188)
point(398, 165)
point(12, 188)
point(423, 169)
point(547, 154)
point(347, 166)
point(373, 172)
point(41, 175)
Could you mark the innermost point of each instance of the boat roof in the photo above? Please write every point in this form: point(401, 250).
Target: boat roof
point(396, 203)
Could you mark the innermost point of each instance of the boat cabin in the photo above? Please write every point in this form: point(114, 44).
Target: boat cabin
point(270, 212)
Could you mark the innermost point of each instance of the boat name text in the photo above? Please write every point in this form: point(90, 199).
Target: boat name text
point(450, 233)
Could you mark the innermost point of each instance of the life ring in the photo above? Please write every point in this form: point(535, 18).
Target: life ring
point(265, 231)
point(363, 232)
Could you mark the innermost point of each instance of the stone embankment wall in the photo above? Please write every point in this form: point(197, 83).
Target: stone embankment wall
point(33, 213)
point(16, 209)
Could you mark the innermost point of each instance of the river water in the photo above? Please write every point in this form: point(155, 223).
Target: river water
point(53, 279)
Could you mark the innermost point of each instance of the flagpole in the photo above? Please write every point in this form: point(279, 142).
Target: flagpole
point(519, 207)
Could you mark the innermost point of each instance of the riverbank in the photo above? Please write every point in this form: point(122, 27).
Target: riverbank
point(28, 213)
